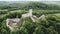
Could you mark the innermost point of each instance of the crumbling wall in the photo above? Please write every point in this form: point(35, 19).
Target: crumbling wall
point(16, 22)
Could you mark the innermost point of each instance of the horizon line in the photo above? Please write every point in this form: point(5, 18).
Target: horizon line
point(29, 0)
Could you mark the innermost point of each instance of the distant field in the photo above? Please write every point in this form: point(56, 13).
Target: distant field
point(35, 12)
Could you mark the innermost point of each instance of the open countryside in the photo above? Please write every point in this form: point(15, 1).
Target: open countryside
point(29, 18)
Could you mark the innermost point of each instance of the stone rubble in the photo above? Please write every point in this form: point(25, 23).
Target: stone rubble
point(17, 22)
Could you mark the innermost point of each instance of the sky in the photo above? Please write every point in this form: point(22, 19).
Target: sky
point(29, 0)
